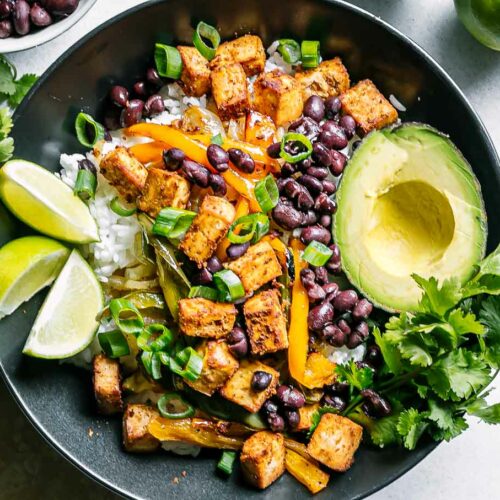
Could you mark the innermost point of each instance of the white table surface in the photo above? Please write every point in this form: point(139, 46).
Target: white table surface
point(469, 466)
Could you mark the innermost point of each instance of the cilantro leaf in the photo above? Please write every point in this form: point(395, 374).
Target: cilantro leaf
point(490, 317)
point(384, 431)
point(315, 419)
point(411, 425)
point(6, 149)
point(7, 77)
point(438, 301)
point(488, 414)
point(441, 414)
point(389, 352)
point(414, 348)
point(22, 87)
point(5, 123)
point(361, 378)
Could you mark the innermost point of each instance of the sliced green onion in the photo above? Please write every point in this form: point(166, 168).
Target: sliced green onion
point(289, 50)
point(88, 131)
point(217, 139)
point(114, 344)
point(85, 185)
point(172, 405)
point(267, 194)
point(226, 462)
point(126, 316)
point(229, 286)
point(164, 358)
point(155, 337)
point(164, 341)
point(317, 254)
point(294, 137)
point(187, 364)
point(152, 364)
point(121, 209)
point(205, 292)
point(168, 61)
point(251, 228)
point(207, 32)
point(173, 222)
point(310, 53)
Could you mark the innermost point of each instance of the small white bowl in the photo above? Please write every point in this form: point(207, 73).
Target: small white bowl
point(18, 43)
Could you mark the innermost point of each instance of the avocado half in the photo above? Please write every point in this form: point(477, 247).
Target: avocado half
point(408, 202)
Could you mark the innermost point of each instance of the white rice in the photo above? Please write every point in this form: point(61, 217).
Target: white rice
point(396, 103)
point(341, 355)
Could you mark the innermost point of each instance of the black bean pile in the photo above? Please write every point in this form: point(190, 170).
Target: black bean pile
point(281, 411)
point(20, 17)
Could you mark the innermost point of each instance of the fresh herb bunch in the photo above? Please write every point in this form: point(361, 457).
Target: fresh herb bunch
point(438, 362)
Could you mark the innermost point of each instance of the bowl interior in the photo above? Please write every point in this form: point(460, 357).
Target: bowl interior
point(58, 398)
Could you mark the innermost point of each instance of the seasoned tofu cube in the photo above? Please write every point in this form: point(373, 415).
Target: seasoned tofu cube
point(163, 189)
point(247, 50)
point(366, 104)
point(238, 388)
point(195, 76)
point(208, 228)
point(229, 90)
point(200, 317)
point(306, 414)
point(263, 458)
point(335, 441)
point(219, 366)
point(136, 437)
point(279, 96)
point(328, 79)
point(256, 266)
point(266, 323)
point(107, 389)
point(124, 172)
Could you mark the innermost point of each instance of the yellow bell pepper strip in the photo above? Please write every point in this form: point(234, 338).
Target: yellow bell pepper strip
point(298, 335)
point(242, 209)
point(319, 371)
point(148, 152)
point(306, 471)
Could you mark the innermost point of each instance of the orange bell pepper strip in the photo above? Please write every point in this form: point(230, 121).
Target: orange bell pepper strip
point(306, 471)
point(242, 209)
point(319, 371)
point(298, 334)
point(148, 152)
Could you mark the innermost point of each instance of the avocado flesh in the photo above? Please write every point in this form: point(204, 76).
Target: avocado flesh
point(408, 203)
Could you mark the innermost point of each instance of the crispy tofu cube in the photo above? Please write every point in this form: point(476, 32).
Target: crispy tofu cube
point(107, 389)
point(335, 441)
point(263, 458)
point(208, 228)
point(329, 79)
point(366, 104)
point(219, 365)
point(279, 96)
point(247, 50)
point(229, 90)
point(256, 267)
point(200, 317)
point(195, 76)
point(238, 388)
point(306, 414)
point(124, 172)
point(136, 437)
point(163, 189)
point(266, 323)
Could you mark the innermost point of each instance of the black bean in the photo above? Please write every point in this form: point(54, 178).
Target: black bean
point(315, 293)
point(287, 216)
point(333, 136)
point(292, 188)
point(218, 184)
point(86, 164)
point(154, 105)
point(202, 277)
point(292, 418)
point(119, 95)
point(241, 160)
point(304, 164)
point(153, 77)
point(325, 220)
point(329, 187)
point(290, 397)
point(304, 200)
point(362, 310)
point(321, 275)
point(61, 7)
point(324, 204)
point(21, 17)
point(214, 264)
point(348, 123)
point(270, 406)
point(335, 402)
point(6, 8)
point(274, 149)
point(195, 173)
point(260, 380)
point(380, 406)
point(312, 184)
point(344, 326)
point(140, 89)
point(354, 340)
point(362, 329)
point(331, 290)
point(315, 233)
point(337, 162)
point(237, 250)
point(341, 389)
point(305, 126)
point(132, 114)
point(287, 170)
point(276, 422)
point(217, 155)
point(345, 300)
point(332, 107)
point(6, 28)
point(320, 316)
point(373, 356)
point(236, 335)
point(310, 218)
point(39, 16)
point(307, 277)
point(173, 158)
point(334, 265)
point(238, 342)
point(317, 172)
point(280, 183)
point(321, 154)
point(334, 335)
point(314, 108)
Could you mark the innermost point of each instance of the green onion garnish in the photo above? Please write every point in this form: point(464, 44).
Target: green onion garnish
point(207, 32)
point(121, 209)
point(126, 316)
point(301, 155)
point(310, 53)
point(85, 185)
point(229, 286)
point(173, 222)
point(172, 405)
point(152, 364)
point(168, 61)
point(187, 364)
point(88, 131)
point(317, 254)
point(226, 462)
point(205, 292)
point(114, 344)
point(267, 194)
point(251, 228)
point(217, 139)
point(289, 50)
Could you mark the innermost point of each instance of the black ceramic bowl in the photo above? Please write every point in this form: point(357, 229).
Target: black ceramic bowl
point(57, 398)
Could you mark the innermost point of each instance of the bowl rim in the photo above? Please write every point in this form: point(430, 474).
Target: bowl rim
point(406, 40)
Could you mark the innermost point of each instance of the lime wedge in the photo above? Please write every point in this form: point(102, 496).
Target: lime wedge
point(44, 202)
point(66, 323)
point(26, 266)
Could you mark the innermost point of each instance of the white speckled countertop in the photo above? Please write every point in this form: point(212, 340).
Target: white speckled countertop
point(466, 468)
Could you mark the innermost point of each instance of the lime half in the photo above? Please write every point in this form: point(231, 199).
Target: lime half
point(66, 323)
point(26, 266)
point(44, 202)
